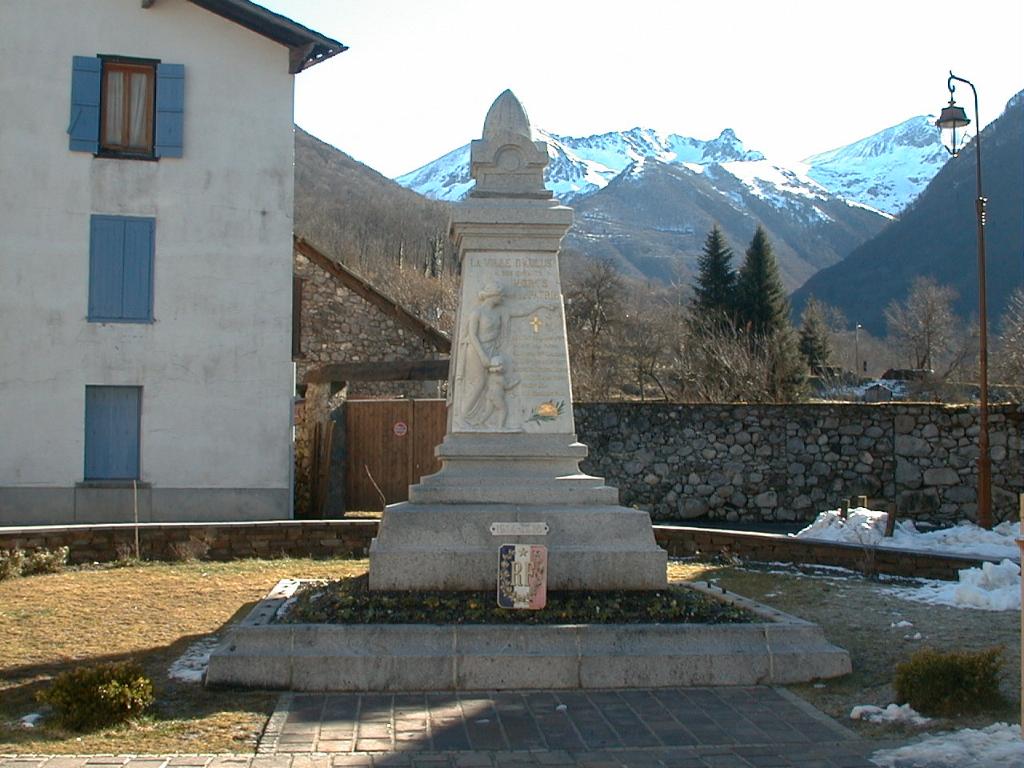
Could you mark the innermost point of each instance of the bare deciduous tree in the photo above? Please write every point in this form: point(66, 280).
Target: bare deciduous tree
point(923, 327)
point(593, 311)
point(1008, 360)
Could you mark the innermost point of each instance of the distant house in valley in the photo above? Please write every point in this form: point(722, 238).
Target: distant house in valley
point(877, 393)
point(146, 259)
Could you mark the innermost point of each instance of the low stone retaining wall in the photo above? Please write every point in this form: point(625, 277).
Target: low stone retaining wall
point(772, 547)
point(351, 538)
point(789, 462)
point(213, 541)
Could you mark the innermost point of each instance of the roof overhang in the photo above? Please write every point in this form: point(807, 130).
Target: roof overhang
point(306, 47)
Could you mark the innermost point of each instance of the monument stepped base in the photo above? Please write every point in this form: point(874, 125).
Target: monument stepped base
point(775, 649)
point(451, 547)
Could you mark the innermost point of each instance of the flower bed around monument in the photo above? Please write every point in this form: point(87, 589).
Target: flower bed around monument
point(349, 601)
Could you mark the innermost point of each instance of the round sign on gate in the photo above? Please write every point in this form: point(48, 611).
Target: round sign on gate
point(400, 428)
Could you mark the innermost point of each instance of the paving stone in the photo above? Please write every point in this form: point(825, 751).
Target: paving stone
point(373, 745)
point(351, 761)
point(271, 761)
point(474, 760)
point(332, 746)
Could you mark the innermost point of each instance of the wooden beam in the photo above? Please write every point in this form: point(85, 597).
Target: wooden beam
point(392, 370)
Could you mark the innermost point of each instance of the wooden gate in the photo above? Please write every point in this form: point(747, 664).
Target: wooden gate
point(390, 445)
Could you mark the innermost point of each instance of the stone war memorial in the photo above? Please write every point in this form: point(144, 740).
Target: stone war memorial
point(510, 455)
point(510, 514)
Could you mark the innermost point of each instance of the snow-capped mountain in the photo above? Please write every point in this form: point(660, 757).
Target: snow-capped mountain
point(645, 199)
point(581, 166)
point(887, 170)
point(652, 218)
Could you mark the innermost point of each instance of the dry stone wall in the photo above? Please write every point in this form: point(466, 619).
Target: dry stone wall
point(789, 462)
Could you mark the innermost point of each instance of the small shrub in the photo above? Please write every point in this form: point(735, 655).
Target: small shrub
point(948, 684)
point(45, 561)
point(95, 697)
point(189, 551)
point(11, 563)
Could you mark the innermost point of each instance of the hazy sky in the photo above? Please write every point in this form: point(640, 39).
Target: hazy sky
point(791, 78)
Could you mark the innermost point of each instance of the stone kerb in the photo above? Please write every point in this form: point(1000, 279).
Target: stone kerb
point(776, 649)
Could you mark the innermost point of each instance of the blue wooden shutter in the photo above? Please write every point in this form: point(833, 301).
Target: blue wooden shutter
point(106, 267)
point(121, 268)
point(112, 432)
point(137, 275)
point(84, 125)
point(170, 109)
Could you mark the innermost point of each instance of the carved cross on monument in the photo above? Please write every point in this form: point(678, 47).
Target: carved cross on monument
point(536, 323)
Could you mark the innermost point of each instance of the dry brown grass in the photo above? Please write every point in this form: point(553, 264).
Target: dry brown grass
point(857, 614)
point(151, 613)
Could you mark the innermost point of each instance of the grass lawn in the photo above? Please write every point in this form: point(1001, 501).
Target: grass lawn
point(153, 612)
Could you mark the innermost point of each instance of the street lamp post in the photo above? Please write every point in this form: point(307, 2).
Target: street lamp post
point(856, 350)
point(951, 118)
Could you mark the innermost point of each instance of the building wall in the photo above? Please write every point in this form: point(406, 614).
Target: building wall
point(339, 326)
point(215, 363)
point(790, 462)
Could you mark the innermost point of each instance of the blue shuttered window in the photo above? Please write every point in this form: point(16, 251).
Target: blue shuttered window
point(121, 269)
point(112, 432)
point(114, 111)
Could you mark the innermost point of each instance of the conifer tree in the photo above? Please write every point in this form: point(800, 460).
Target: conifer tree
point(762, 312)
point(762, 307)
point(814, 342)
point(715, 289)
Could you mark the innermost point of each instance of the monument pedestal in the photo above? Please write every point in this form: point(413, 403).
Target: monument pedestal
point(442, 537)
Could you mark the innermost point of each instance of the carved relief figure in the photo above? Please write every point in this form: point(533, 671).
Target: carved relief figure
point(485, 370)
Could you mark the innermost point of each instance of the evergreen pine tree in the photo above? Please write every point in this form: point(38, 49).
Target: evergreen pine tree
point(814, 341)
point(715, 289)
point(762, 307)
point(762, 312)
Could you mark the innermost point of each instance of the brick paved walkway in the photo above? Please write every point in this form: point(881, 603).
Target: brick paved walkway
point(753, 727)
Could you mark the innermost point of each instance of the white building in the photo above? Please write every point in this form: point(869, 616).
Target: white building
point(146, 153)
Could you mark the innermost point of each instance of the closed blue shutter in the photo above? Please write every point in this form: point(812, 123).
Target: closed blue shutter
point(112, 432)
point(106, 267)
point(137, 282)
point(170, 109)
point(84, 125)
point(121, 268)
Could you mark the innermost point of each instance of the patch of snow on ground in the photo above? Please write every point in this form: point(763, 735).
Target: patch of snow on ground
point(30, 721)
point(867, 527)
point(894, 713)
point(998, 746)
point(993, 587)
point(190, 666)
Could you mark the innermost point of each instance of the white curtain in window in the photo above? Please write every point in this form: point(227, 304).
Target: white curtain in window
point(114, 109)
point(138, 119)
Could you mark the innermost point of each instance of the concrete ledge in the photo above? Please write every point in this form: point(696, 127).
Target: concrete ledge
point(401, 657)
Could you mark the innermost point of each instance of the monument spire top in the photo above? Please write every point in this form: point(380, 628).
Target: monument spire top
point(506, 162)
point(506, 115)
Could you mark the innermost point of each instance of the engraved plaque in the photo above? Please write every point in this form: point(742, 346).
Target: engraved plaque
point(523, 576)
point(519, 529)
